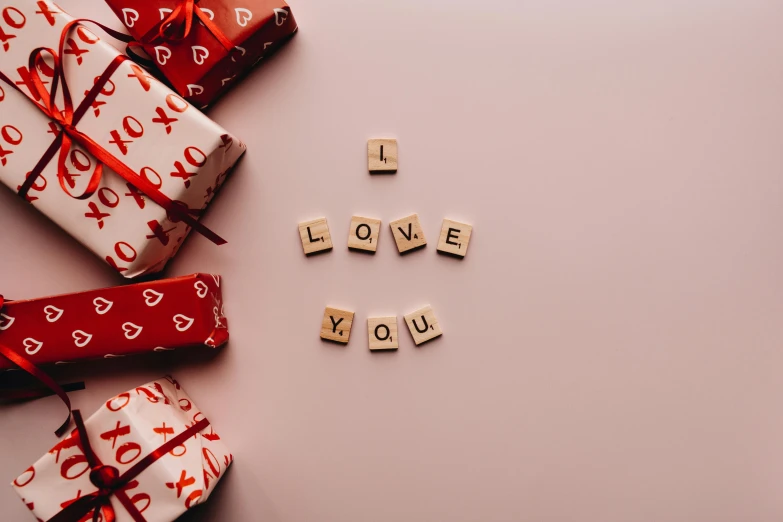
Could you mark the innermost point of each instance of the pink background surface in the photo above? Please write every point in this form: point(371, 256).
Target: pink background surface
point(613, 347)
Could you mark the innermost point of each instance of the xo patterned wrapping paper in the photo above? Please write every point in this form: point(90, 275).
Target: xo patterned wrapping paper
point(163, 139)
point(199, 66)
point(121, 433)
point(113, 322)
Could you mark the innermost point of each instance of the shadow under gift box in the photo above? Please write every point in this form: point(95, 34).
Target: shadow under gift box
point(112, 322)
point(123, 432)
point(136, 119)
point(210, 59)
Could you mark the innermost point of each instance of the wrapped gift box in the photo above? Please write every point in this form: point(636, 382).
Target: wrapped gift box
point(225, 40)
point(112, 322)
point(71, 480)
point(169, 147)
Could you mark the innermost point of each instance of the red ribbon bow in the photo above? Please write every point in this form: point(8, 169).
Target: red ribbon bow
point(69, 117)
point(110, 482)
point(36, 372)
point(177, 26)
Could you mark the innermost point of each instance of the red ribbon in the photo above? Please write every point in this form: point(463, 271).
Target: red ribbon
point(36, 372)
point(69, 117)
point(110, 482)
point(177, 26)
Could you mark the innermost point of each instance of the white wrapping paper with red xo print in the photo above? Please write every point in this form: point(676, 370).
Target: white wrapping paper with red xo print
point(124, 430)
point(135, 118)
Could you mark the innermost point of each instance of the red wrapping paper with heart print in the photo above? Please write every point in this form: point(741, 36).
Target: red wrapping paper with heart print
point(113, 322)
point(124, 432)
point(164, 141)
point(236, 35)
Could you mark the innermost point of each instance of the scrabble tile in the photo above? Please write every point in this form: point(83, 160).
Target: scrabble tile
point(423, 325)
point(364, 233)
point(408, 233)
point(315, 236)
point(336, 325)
point(382, 332)
point(382, 156)
point(454, 238)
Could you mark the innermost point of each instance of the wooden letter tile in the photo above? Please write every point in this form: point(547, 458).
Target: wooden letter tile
point(382, 156)
point(336, 325)
point(383, 333)
point(454, 238)
point(423, 325)
point(408, 234)
point(364, 234)
point(315, 236)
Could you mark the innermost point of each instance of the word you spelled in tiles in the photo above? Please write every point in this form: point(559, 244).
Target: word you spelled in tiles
point(336, 326)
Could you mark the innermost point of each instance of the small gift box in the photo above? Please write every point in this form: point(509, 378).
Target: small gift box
point(113, 322)
point(148, 454)
point(90, 139)
point(202, 47)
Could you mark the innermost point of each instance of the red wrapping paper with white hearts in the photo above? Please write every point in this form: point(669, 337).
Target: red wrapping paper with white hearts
point(135, 118)
point(113, 322)
point(199, 66)
point(122, 432)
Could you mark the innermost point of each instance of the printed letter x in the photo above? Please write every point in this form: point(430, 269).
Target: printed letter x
point(164, 430)
point(163, 119)
point(184, 481)
point(112, 435)
point(47, 12)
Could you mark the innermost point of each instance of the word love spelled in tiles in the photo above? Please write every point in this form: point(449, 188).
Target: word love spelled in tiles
point(364, 235)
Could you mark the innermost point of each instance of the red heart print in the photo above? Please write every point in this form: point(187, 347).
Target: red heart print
point(152, 297)
point(200, 54)
point(31, 346)
point(242, 52)
point(162, 54)
point(243, 16)
point(131, 330)
point(52, 313)
point(201, 289)
point(130, 16)
point(102, 305)
point(281, 15)
point(182, 322)
point(6, 322)
point(81, 338)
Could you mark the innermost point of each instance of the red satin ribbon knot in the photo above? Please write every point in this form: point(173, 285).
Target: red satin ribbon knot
point(36, 372)
point(68, 117)
point(110, 482)
point(177, 26)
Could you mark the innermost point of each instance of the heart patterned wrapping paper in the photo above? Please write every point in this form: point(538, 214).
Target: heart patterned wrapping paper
point(204, 47)
point(168, 314)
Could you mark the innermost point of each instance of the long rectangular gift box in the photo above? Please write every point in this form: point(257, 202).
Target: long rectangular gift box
point(202, 47)
point(112, 322)
point(148, 454)
point(128, 167)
